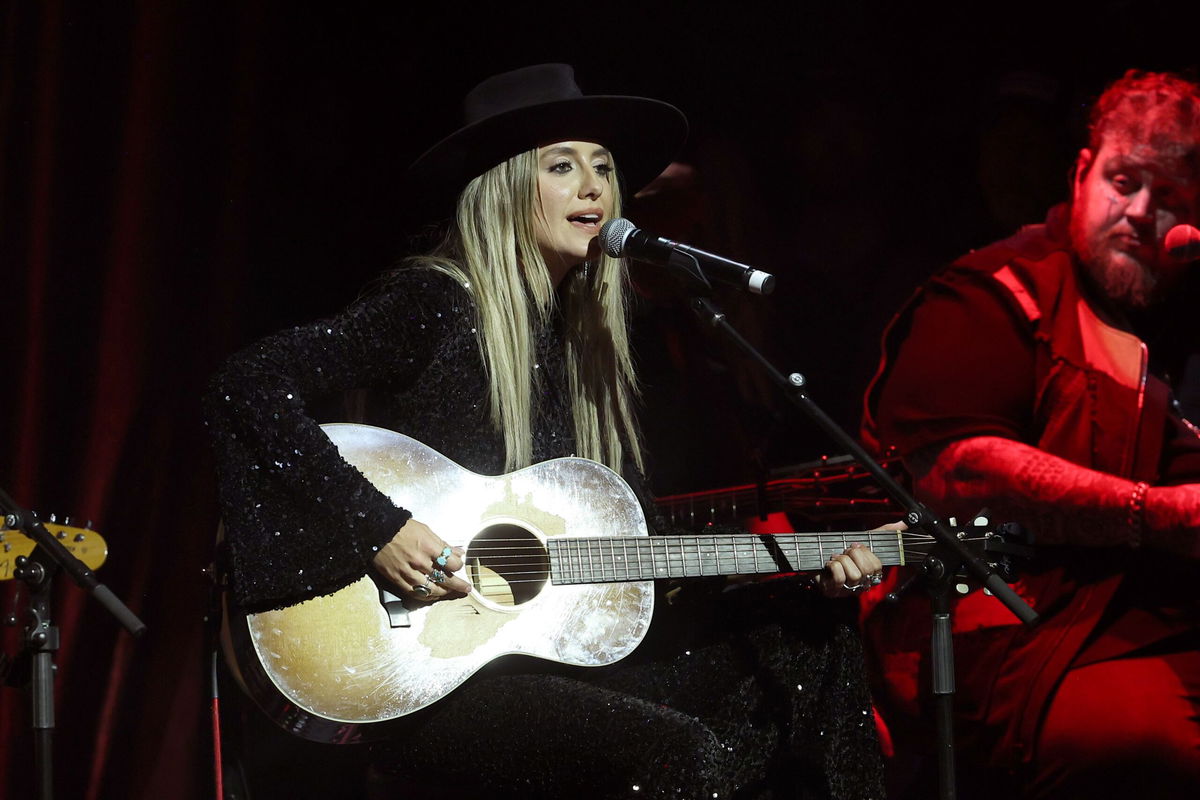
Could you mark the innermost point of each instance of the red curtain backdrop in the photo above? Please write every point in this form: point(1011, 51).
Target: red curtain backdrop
point(119, 283)
point(178, 178)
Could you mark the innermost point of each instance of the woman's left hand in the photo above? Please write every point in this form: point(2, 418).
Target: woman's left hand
point(851, 572)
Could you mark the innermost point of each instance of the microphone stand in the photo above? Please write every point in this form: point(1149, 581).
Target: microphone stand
point(41, 638)
point(947, 558)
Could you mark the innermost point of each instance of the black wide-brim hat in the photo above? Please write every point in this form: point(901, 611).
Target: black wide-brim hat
point(533, 106)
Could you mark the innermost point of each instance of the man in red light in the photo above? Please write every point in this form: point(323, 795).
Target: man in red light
point(1035, 377)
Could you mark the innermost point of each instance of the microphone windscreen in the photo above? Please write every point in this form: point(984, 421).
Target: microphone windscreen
point(613, 235)
point(1182, 244)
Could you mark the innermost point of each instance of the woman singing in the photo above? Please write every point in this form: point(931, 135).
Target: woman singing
point(504, 347)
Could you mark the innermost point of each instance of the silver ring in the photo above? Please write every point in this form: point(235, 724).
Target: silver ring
point(437, 576)
point(422, 590)
point(876, 578)
point(856, 588)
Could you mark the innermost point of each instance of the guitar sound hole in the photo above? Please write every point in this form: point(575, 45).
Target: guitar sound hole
point(507, 564)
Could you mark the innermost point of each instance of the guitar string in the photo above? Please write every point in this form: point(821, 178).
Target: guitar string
point(648, 546)
point(884, 538)
point(757, 537)
point(607, 571)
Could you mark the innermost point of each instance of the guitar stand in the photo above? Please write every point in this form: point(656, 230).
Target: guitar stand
point(34, 665)
point(939, 568)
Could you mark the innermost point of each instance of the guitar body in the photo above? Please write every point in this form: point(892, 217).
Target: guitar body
point(334, 668)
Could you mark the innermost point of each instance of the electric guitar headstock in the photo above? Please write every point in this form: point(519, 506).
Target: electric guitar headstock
point(83, 543)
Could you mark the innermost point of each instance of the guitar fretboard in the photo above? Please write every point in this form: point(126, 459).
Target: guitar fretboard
point(612, 559)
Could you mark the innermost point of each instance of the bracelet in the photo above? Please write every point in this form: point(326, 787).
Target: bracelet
point(1137, 513)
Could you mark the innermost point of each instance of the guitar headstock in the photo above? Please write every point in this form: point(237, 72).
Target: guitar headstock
point(1009, 543)
point(84, 543)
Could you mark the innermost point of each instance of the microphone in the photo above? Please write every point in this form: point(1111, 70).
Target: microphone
point(620, 238)
point(1182, 244)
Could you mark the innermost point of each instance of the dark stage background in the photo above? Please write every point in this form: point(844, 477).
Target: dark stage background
point(177, 179)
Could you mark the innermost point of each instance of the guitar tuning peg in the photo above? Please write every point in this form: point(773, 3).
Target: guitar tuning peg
point(88, 525)
point(67, 520)
point(54, 518)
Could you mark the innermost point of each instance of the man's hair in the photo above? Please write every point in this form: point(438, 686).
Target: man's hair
point(1159, 108)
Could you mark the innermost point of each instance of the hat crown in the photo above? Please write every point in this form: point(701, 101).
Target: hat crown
point(520, 88)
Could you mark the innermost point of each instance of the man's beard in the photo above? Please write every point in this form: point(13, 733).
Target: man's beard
point(1125, 281)
point(1117, 275)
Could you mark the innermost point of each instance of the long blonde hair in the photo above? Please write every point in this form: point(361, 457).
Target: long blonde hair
point(492, 249)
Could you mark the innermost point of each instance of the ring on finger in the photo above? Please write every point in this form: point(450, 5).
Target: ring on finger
point(444, 557)
point(856, 588)
point(437, 576)
point(875, 578)
point(423, 590)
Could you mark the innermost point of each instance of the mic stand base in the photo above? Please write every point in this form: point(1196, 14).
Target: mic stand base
point(33, 668)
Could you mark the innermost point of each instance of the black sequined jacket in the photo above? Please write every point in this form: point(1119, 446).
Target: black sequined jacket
point(770, 677)
point(300, 521)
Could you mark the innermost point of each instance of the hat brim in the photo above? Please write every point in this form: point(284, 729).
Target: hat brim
point(643, 135)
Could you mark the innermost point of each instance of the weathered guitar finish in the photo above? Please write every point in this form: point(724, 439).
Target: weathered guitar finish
point(561, 564)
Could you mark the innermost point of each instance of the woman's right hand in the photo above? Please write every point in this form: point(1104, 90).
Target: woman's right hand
point(409, 561)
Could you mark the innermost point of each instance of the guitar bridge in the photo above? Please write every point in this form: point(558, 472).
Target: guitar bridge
point(394, 606)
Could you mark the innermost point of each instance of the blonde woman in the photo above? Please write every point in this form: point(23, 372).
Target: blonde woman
point(507, 346)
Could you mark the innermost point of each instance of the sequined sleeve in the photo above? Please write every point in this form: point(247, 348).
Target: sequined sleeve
point(299, 520)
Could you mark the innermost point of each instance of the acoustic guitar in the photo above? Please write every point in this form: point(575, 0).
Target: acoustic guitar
point(562, 568)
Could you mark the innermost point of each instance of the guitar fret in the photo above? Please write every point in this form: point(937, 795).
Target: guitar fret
point(725, 554)
point(750, 552)
point(738, 549)
point(780, 552)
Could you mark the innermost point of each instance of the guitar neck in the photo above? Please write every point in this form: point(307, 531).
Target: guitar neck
point(612, 559)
